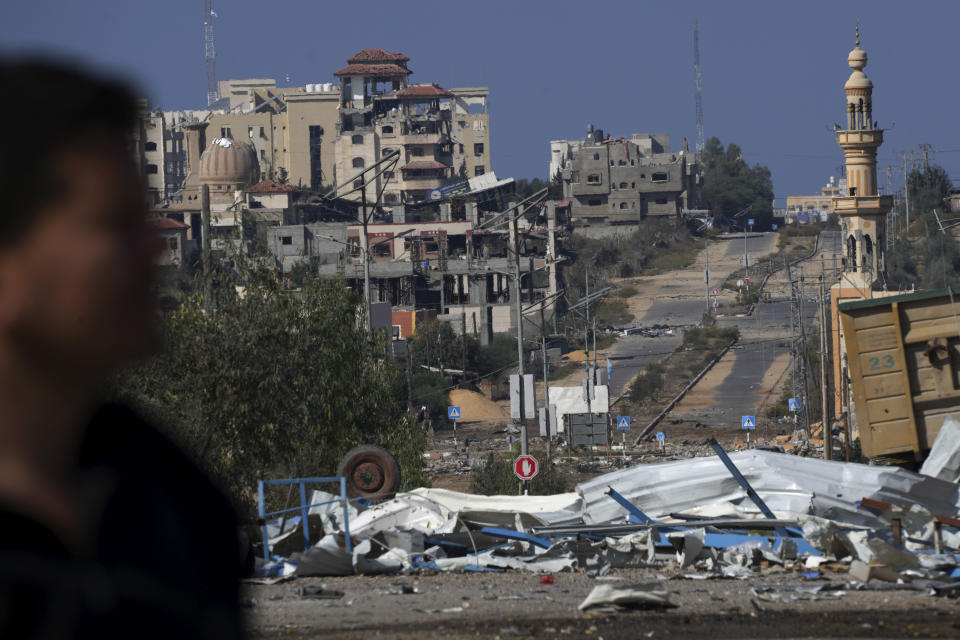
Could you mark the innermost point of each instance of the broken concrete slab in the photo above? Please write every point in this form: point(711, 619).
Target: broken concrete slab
point(651, 595)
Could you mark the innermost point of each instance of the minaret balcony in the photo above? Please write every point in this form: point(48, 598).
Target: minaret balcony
point(856, 138)
point(862, 205)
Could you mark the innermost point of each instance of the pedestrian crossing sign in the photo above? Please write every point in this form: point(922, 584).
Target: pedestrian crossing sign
point(660, 436)
point(623, 422)
point(748, 422)
point(794, 404)
point(453, 413)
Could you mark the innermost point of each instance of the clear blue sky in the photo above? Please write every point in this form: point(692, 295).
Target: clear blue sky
point(773, 71)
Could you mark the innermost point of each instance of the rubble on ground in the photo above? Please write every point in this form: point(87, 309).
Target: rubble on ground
point(730, 516)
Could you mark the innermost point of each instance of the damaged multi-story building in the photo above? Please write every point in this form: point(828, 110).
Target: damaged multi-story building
point(622, 181)
point(440, 134)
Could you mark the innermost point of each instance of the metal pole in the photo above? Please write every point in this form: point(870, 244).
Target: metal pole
point(824, 418)
point(706, 273)
point(365, 247)
point(205, 247)
point(525, 484)
point(546, 373)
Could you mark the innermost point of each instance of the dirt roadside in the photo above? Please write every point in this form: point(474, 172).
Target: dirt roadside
point(518, 605)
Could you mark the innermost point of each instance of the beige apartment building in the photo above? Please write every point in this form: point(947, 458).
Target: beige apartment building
point(440, 134)
point(322, 134)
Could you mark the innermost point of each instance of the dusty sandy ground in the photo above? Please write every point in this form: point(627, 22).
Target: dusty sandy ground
point(518, 605)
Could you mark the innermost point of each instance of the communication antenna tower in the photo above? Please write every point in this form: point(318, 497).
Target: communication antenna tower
point(699, 82)
point(209, 53)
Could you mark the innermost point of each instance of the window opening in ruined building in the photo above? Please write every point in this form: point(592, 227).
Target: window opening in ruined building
point(594, 202)
point(386, 152)
point(622, 163)
point(633, 185)
point(660, 176)
point(417, 151)
point(357, 184)
point(150, 146)
point(358, 139)
point(596, 156)
point(643, 176)
point(623, 205)
point(358, 163)
point(479, 170)
point(478, 149)
point(225, 132)
point(388, 130)
point(593, 178)
point(151, 168)
point(287, 240)
point(172, 244)
point(390, 197)
point(623, 185)
point(661, 201)
point(388, 175)
point(476, 108)
point(852, 253)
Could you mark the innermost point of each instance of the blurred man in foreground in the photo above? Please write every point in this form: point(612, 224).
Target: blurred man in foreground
point(106, 529)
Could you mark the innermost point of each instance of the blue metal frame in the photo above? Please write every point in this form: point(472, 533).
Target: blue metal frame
point(753, 495)
point(304, 508)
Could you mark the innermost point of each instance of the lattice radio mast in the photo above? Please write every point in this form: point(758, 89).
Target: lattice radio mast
point(210, 53)
point(699, 84)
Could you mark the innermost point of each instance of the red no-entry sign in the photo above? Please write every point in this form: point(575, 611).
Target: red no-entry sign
point(525, 467)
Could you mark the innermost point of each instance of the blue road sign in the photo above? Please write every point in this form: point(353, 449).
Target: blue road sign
point(623, 422)
point(774, 226)
point(453, 413)
point(750, 222)
point(661, 436)
point(794, 404)
point(748, 422)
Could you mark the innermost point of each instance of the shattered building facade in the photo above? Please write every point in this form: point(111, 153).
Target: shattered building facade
point(620, 181)
point(441, 134)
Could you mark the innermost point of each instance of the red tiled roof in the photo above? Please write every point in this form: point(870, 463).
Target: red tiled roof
point(425, 90)
point(424, 164)
point(376, 55)
point(373, 70)
point(269, 186)
point(168, 224)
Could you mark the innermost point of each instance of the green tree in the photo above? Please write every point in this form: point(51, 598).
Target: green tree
point(730, 184)
point(257, 381)
point(929, 188)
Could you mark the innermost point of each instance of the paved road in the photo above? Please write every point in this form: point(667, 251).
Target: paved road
point(676, 305)
point(769, 329)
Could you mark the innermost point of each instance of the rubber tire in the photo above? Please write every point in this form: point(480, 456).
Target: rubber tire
point(382, 460)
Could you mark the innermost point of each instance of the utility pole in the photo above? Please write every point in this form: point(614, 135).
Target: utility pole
point(706, 272)
point(515, 232)
point(205, 247)
point(824, 408)
point(546, 374)
point(366, 258)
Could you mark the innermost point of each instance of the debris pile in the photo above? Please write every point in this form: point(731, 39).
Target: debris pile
point(732, 516)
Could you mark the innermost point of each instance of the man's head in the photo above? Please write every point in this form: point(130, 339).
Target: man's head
point(76, 251)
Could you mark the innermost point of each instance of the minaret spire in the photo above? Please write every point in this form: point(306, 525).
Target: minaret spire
point(862, 209)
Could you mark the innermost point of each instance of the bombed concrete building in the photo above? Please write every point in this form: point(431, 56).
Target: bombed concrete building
point(622, 181)
point(440, 134)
